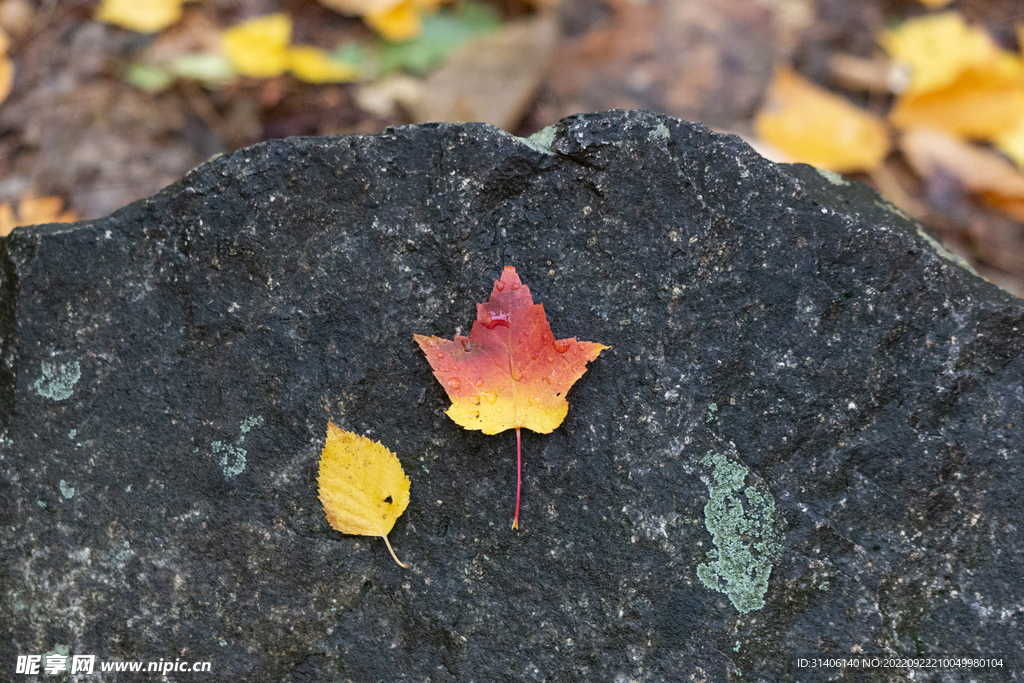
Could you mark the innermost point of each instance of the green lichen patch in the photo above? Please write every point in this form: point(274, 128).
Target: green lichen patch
point(58, 380)
point(541, 141)
point(746, 530)
point(233, 456)
point(66, 490)
point(833, 178)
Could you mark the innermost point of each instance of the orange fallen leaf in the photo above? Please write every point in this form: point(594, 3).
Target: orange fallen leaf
point(814, 126)
point(34, 211)
point(259, 47)
point(1011, 206)
point(362, 486)
point(510, 372)
point(144, 16)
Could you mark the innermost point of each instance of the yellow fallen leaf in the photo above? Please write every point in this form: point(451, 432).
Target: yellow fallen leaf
point(817, 127)
point(401, 22)
point(395, 20)
point(313, 65)
point(144, 16)
point(259, 47)
point(983, 102)
point(34, 211)
point(362, 485)
point(937, 49)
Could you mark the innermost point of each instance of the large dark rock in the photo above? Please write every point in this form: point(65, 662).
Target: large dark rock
point(806, 437)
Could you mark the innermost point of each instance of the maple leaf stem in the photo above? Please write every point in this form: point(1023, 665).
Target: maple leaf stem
point(519, 475)
point(392, 550)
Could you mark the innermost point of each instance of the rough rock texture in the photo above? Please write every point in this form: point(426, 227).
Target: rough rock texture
point(806, 437)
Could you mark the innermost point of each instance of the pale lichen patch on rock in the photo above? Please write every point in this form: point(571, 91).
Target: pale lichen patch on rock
point(746, 530)
point(58, 380)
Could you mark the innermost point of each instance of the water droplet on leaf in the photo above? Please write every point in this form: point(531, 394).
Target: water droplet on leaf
point(491, 320)
point(491, 396)
point(562, 345)
point(454, 383)
point(499, 285)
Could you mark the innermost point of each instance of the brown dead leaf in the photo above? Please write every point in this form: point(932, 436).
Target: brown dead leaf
point(979, 170)
point(492, 77)
point(705, 60)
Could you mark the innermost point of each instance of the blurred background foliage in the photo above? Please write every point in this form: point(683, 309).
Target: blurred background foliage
point(103, 102)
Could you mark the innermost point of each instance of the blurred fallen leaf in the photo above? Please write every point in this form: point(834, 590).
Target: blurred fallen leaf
point(34, 211)
point(983, 102)
point(389, 97)
point(935, 4)
point(442, 34)
point(148, 77)
point(980, 171)
point(492, 77)
point(16, 16)
point(6, 68)
point(144, 16)
point(877, 74)
point(313, 65)
point(259, 47)
point(395, 20)
point(1012, 206)
point(817, 127)
point(401, 22)
point(1011, 142)
point(938, 48)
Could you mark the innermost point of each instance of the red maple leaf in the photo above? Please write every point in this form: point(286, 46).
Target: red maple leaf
point(510, 372)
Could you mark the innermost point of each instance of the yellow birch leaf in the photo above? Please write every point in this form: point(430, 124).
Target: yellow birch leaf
point(313, 65)
point(144, 16)
point(983, 102)
point(938, 48)
point(259, 47)
point(814, 126)
point(362, 485)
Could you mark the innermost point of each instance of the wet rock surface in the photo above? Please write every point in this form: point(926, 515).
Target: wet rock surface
point(806, 437)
